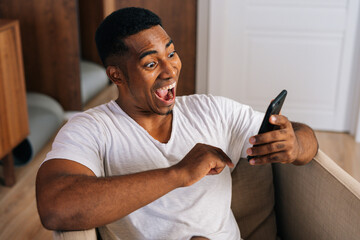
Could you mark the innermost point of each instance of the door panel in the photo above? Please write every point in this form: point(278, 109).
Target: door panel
point(303, 46)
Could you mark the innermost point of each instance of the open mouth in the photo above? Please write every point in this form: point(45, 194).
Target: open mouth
point(166, 93)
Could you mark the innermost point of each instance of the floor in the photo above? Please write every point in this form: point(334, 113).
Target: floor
point(19, 218)
point(343, 149)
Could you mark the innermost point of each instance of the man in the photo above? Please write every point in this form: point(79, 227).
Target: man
point(148, 167)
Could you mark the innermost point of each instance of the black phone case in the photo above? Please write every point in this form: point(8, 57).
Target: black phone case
point(274, 108)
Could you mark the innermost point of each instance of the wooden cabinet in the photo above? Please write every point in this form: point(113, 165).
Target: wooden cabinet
point(14, 125)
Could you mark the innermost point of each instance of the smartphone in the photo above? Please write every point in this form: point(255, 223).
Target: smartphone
point(274, 108)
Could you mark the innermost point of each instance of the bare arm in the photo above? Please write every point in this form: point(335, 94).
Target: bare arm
point(71, 197)
point(292, 143)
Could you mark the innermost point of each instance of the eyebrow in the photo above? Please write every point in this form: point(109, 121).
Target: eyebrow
point(169, 43)
point(144, 54)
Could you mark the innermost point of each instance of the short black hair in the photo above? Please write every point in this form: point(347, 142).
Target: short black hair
point(119, 25)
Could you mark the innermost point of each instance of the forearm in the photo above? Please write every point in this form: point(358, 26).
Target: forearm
point(308, 144)
point(76, 202)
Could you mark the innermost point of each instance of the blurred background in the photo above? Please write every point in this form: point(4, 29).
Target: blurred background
point(245, 50)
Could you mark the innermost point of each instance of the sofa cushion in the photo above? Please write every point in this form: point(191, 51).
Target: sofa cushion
point(93, 79)
point(45, 117)
point(253, 200)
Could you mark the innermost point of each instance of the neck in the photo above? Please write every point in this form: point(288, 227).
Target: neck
point(158, 126)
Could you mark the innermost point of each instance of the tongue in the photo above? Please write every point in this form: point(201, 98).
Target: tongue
point(162, 93)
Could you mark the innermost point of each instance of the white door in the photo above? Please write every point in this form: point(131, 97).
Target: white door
point(257, 48)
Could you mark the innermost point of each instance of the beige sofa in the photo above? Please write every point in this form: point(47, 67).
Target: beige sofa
point(283, 201)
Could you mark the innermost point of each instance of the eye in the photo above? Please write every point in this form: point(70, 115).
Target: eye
point(151, 65)
point(171, 54)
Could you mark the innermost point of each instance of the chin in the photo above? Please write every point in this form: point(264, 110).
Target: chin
point(167, 112)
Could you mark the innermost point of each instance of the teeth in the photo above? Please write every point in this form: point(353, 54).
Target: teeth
point(168, 87)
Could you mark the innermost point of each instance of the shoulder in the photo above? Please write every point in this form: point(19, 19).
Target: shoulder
point(95, 120)
point(95, 114)
point(217, 108)
point(198, 98)
point(208, 103)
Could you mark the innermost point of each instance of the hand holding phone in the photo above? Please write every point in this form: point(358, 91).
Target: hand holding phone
point(274, 108)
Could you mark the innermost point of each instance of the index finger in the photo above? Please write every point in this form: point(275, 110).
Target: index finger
point(268, 137)
point(225, 158)
point(280, 120)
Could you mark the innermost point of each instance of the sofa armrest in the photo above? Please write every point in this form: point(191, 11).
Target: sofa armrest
point(316, 201)
point(75, 235)
point(100, 233)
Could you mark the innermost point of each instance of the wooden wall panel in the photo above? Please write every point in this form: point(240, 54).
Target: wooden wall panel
point(90, 16)
point(14, 125)
point(50, 42)
point(179, 21)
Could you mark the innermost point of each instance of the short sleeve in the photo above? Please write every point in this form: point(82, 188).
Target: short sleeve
point(80, 140)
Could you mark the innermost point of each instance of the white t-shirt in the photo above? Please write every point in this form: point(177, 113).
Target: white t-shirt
point(109, 142)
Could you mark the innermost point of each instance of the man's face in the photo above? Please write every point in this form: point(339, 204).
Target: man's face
point(152, 69)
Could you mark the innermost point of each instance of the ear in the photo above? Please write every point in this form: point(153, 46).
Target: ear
point(116, 75)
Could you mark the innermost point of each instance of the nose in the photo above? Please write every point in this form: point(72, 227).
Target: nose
point(168, 70)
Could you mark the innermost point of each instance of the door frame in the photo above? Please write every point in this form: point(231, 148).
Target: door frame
point(354, 113)
point(202, 43)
